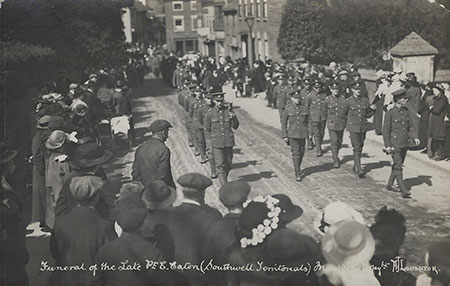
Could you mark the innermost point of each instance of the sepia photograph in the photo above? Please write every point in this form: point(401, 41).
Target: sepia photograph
point(225, 142)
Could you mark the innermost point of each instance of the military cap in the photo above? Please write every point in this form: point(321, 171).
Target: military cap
point(356, 74)
point(198, 88)
point(399, 93)
point(295, 93)
point(334, 85)
point(85, 187)
point(209, 95)
point(317, 83)
point(291, 78)
point(300, 60)
point(343, 72)
point(130, 212)
point(327, 73)
point(356, 85)
point(307, 79)
point(159, 125)
point(92, 75)
point(194, 181)
point(192, 85)
point(218, 95)
point(234, 194)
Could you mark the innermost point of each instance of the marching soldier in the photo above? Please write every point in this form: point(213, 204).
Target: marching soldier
point(317, 115)
point(277, 90)
point(188, 121)
point(399, 126)
point(305, 94)
point(199, 109)
point(219, 124)
point(194, 104)
point(183, 93)
point(356, 110)
point(209, 105)
point(283, 97)
point(294, 128)
point(336, 125)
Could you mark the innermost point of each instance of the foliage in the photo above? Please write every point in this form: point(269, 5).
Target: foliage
point(360, 31)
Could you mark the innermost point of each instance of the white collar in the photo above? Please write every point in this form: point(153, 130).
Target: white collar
point(189, 201)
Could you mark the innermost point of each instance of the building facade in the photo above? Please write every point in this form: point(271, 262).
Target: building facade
point(211, 31)
point(181, 25)
point(266, 24)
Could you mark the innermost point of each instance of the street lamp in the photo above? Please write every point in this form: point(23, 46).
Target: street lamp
point(250, 22)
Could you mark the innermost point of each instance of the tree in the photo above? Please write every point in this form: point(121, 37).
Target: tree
point(360, 31)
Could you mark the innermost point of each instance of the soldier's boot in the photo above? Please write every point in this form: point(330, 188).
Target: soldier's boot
point(318, 146)
point(222, 179)
point(403, 189)
point(336, 163)
point(361, 173)
point(390, 184)
point(357, 165)
point(203, 157)
point(297, 171)
point(310, 143)
point(213, 168)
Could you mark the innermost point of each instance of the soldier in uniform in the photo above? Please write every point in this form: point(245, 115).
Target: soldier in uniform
point(317, 114)
point(188, 121)
point(305, 94)
point(356, 110)
point(199, 110)
point(399, 126)
point(219, 124)
point(283, 97)
point(294, 128)
point(277, 90)
point(209, 105)
point(194, 104)
point(183, 93)
point(344, 82)
point(336, 125)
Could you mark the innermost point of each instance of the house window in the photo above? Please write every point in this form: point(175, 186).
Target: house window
point(258, 8)
point(251, 10)
point(178, 23)
point(194, 22)
point(193, 5)
point(239, 9)
point(264, 8)
point(245, 8)
point(177, 6)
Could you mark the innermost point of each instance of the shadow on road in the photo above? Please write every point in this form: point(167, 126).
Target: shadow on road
point(245, 164)
point(419, 180)
point(256, 177)
point(237, 151)
point(377, 165)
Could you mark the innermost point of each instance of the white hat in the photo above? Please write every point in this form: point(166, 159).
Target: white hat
point(335, 212)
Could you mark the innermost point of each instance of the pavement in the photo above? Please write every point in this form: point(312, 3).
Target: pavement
point(263, 160)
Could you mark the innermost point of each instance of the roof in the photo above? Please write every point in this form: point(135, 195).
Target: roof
point(230, 8)
point(413, 45)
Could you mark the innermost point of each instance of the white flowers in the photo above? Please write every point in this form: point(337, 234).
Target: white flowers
point(261, 231)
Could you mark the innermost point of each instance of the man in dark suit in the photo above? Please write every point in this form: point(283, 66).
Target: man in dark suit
point(189, 222)
point(130, 214)
point(152, 159)
point(78, 235)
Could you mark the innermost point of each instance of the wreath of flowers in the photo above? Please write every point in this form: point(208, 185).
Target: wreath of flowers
point(261, 231)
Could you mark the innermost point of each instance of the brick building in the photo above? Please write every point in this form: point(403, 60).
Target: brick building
point(267, 19)
point(181, 25)
point(211, 32)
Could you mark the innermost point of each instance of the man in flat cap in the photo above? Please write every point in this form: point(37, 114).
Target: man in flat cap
point(79, 234)
point(219, 123)
point(399, 133)
point(152, 158)
point(356, 110)
point(294, 129)
point(188, 223)
point(336, 125)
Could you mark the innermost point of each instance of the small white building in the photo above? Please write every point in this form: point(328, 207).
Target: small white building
point(414, 54)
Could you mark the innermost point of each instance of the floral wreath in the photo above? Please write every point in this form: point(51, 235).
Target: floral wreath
point(261, 231)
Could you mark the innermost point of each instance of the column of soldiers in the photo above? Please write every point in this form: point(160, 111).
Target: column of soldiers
point(209, 124)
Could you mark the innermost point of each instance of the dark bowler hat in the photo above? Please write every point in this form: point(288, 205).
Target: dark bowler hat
point(287, 246)
point(234, 194)
point(194, 181)
point(5, 154)
point(219, 96)
point(130, 213)
point(89, 155)
point(295, 93)
point(356, 85)
point(85, 187)
point(289, 211)
point(157, 195)
point(159, 125)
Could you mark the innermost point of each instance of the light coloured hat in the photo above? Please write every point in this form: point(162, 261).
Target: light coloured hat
point(56, 140)
point(85, 187)
point(348, 243)
point(335, 212)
